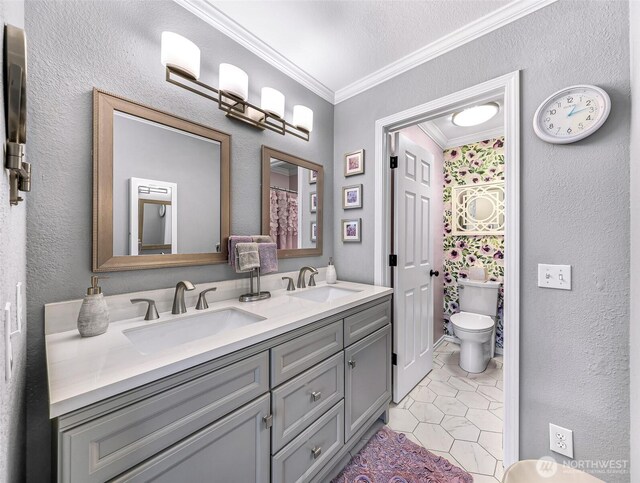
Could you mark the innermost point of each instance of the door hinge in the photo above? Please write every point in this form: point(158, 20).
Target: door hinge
point(393, 162)
point(268, 421)
point(393, 260)
point(394, 359)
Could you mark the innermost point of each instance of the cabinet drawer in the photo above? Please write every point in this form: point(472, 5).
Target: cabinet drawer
point(309, 452)
point(367, 379)
point(111, 444)
point(298, 355)
point(234, 449)
point(366, 322)
point(299, 402)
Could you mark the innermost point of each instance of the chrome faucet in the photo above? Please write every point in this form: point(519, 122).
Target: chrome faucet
point(303, 270)
point(179, 306)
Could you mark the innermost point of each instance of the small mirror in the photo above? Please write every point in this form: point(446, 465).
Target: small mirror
point(161, 193)
point(478, 209)
point(292, 192)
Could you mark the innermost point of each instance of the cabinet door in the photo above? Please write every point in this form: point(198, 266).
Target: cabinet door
point(234, 449)
point(367, 378)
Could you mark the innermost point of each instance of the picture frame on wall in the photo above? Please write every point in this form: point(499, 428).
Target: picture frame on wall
point(352, 197)
point(313, 176)
point(313, 202)
point(354, 163)
point(351, 230)
point(314, 231)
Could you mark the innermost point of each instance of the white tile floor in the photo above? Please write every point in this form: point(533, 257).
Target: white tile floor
point(456, 414)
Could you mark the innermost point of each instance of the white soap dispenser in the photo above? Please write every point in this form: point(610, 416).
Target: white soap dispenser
point(331, 276)
point(93, 318)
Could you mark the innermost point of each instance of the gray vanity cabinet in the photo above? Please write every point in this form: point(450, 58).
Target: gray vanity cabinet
point(367, 378)
point(234, 449)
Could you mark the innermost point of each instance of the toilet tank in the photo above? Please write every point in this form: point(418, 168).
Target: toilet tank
point(478, 297)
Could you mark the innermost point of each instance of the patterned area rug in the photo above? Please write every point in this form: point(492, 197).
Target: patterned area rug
point(389, 457)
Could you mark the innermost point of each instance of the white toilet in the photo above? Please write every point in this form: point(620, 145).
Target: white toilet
point(475, 324)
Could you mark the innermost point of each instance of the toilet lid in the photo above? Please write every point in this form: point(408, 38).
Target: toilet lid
point(472, 322)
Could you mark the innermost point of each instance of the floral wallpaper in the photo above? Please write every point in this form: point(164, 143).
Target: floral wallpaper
point(481, 162)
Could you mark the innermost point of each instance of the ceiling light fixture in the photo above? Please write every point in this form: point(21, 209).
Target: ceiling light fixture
point(475, 115)
point(181, 58)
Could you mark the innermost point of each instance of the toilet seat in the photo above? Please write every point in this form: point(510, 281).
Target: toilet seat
point(469, 322)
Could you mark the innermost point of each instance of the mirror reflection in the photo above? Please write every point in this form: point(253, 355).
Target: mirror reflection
point(166, 189)
point(478, 209)
point(293, 205)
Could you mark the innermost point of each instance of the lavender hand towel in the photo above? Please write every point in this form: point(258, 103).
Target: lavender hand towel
point(232, 254)
point(268, 257)
point(262, 239)
point(248, 257)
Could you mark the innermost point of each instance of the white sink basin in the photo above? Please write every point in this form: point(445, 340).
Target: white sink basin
point(172, 333)
point(324, 294)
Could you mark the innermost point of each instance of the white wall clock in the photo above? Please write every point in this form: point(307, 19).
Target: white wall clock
point(571, 114)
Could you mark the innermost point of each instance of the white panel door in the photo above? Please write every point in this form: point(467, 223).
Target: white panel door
point(413, 227)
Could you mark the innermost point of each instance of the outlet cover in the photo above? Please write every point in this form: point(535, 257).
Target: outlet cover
point(561, 440)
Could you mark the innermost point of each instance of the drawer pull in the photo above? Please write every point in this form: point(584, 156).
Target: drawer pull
point(268, 421)
point(315, 396)
point(352, 364)
point(315, 452)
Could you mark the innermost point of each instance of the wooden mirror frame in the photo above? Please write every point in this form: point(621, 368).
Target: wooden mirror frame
point(267, 154)
point(104, 104)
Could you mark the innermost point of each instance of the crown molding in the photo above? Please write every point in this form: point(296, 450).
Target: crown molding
point(482, 26)
point(214, 17)
point(436, 134)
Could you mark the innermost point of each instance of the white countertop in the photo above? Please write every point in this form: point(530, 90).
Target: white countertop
point(83, 371)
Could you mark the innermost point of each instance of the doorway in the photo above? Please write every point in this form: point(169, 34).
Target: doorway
point(506, 86)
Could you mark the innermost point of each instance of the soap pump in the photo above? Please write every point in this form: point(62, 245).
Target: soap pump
point(93, 318)
point(331, 275)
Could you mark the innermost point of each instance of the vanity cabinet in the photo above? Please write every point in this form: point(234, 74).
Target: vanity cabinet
point(285, 410)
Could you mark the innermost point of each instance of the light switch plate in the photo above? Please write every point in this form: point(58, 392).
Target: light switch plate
point(554, 276)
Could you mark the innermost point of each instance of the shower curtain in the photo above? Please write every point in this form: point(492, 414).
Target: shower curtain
point(284, 219)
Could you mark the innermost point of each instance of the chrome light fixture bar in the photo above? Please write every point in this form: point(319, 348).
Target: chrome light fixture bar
point(181, 60)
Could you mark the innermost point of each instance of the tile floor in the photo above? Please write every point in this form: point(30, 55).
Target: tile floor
point(456, 414)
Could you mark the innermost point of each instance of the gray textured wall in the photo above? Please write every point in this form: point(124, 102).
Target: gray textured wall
point(74, 46)
point(12, 270)
point(634, 344)
point(575, 210)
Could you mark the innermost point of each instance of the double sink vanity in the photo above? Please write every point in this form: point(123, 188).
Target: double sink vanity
point(272, 391)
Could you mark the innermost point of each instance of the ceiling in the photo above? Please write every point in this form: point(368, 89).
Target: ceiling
point(339, 48)
point(447, 135)
point(339, 42)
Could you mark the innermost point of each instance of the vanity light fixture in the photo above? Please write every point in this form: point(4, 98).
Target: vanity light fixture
point(475, 115)
point(181, 58)
point(15, 97)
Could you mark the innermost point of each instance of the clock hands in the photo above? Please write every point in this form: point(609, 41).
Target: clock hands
point(574, 112)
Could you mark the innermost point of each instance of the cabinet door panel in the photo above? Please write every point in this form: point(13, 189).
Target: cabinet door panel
point(234, 449)
point(367, 382)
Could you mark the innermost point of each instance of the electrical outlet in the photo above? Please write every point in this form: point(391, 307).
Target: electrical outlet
point(561, 440)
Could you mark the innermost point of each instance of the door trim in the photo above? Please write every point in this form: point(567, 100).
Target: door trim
point(509, 85)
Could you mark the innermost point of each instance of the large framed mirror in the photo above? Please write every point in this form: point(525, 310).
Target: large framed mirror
point(478, 209)
point(292, 194)
point(160, 188)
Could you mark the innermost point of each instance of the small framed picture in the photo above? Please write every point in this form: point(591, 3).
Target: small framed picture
point(352, 197)
point(354, 163)
point(351, 230)
point(314, 231)
point(313, 176)
point(313, 202)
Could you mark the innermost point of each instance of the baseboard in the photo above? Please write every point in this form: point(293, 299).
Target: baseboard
point(454, 340)
point(439, 342)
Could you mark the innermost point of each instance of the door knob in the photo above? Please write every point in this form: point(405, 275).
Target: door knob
point(434, 273)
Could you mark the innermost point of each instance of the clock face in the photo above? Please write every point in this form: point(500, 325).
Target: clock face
point(571, 114)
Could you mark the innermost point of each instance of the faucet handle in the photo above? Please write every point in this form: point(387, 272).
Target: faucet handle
point(202, 299)
point(152, 312)
point(312, 279)
point(290, 286)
